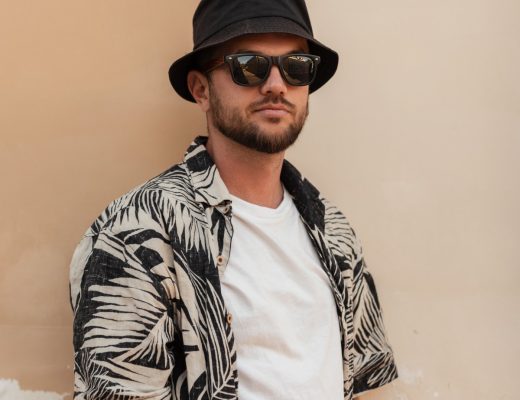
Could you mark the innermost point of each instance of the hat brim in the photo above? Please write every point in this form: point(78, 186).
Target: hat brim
point(178, 71)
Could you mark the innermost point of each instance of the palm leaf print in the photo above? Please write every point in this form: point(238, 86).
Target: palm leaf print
point(149, 316)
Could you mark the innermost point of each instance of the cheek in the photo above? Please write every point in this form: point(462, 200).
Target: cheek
point(227, 102)
point(302, 97)
point(224, 89)
point(238, 99)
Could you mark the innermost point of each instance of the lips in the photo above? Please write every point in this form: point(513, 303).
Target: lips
point(272, 111)
point(275, 107)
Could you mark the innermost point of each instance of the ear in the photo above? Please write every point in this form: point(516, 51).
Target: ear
point(199, 88)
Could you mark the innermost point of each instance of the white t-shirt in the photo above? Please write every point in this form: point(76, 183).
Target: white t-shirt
point(284, 314)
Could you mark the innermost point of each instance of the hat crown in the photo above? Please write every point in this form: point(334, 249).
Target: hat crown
point(212, 16)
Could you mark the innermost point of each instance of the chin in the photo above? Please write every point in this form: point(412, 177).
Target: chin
point(274, 120)
point(273, 125)
point(273, 133)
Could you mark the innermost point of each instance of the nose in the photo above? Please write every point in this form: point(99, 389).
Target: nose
point(275, 84)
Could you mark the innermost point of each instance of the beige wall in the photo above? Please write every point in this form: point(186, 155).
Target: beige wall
point(417, 140)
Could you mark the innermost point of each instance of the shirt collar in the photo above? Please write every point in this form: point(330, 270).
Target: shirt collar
point(208, 185)
point(305, 196)
point(210, 188)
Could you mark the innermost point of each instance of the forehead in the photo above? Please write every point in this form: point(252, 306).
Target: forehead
point(267, 43)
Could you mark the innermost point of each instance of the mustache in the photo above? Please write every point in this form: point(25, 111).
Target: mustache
point(272, 100)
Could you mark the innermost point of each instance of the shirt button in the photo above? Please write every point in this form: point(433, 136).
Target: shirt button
point(229, 318)
point(220, 260)
point(226, 209)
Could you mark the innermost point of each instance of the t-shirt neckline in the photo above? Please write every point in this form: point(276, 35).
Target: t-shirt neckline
point(256, 211)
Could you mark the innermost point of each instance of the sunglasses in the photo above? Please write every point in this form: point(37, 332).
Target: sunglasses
point(250, 69)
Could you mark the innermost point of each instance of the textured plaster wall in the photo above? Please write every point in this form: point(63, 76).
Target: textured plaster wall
point(417, 140)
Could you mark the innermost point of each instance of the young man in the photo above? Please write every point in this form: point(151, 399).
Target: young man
point(229, 276)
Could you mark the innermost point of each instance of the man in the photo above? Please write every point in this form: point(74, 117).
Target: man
point(229, 276)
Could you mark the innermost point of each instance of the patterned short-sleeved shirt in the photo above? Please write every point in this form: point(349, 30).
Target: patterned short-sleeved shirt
point(149, 318)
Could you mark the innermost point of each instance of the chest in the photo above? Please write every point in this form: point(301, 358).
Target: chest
point(203, 318)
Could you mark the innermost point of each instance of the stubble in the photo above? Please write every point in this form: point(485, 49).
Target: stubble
point(231, 123)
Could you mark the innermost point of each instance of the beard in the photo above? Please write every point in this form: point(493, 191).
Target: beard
point(231, 123)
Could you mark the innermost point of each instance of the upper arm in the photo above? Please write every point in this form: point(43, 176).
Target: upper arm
point(374, 364)
point(123, 316)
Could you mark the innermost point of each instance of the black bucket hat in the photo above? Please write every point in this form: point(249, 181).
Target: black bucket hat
point(217, 21)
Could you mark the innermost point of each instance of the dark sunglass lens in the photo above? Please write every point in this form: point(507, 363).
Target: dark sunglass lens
point(299, 70)
point(250, 69)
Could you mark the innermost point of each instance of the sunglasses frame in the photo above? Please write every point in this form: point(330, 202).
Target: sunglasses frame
point(272, 60)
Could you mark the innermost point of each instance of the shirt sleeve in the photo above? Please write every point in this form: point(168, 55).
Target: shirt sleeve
point(122, 295)
point(374, 364)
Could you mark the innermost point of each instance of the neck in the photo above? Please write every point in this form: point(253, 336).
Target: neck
point(248, 174)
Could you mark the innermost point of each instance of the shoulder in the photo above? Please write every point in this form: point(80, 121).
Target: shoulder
point(153, 201)
point(322, 215)
point(339, 232)
point(135, 227)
